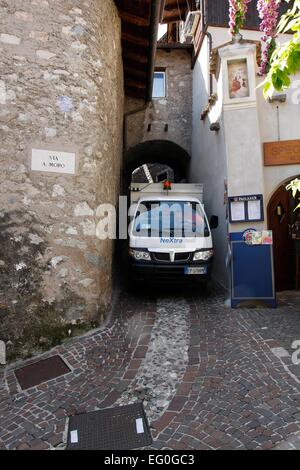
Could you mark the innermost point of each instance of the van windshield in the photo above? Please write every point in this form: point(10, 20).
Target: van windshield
point(174, 219)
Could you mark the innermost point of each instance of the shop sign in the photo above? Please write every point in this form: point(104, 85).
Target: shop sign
point(285, 152)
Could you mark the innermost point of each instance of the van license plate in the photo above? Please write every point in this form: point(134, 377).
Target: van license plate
point(195, 271)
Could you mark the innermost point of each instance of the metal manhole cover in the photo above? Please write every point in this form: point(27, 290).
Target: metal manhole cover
point(41, 371)
point(121, 428)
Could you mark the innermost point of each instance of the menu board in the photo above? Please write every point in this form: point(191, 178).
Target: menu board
point(246, 208)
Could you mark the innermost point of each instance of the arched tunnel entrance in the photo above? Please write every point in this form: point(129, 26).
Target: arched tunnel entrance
point(160, 157)
point(160, 152)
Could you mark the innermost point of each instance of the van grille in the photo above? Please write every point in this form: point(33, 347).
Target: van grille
point(166, 256)
point(182, 256)
point(162, 256)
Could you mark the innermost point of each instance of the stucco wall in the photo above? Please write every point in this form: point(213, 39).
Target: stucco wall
point(236, 152)
point(208, 164)
point(53, 267)
point(288, 127)
point(175, 110)
point(283, 124)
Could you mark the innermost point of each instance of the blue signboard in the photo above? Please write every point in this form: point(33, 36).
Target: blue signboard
point(252, 271)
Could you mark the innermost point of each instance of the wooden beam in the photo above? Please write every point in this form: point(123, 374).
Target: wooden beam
point(134, 19)
point(175, 11)
point(137, 91)
point(141, 59)
point(141, 95)
point(172, 4)
point(139, 8)
point(171, 19)
point(127, 37)
point(135, 48)
point(132, 72)
point(173, 16)
point(132, 83)
point(136, 65)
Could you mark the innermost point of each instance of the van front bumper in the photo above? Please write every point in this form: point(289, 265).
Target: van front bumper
point(168, 272)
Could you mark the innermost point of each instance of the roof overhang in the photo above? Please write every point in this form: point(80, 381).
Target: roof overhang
point(174, 10)
point(140, 20)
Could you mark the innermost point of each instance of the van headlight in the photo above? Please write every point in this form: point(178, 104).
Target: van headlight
point(203, 255)
point(140, 255)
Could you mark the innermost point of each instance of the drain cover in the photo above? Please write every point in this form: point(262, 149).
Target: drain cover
point(121, 428)
point(41, 371)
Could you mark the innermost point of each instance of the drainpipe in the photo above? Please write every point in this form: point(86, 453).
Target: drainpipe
point(203, 15)
point(210, 43)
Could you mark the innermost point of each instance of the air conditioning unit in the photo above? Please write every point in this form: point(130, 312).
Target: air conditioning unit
point(190, 26)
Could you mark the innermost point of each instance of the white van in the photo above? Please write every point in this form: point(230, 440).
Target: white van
point(169, 235)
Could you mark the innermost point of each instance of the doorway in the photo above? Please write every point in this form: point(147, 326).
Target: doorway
point(281, 217)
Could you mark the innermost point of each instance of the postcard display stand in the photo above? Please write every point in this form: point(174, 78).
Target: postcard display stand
point(252, 272)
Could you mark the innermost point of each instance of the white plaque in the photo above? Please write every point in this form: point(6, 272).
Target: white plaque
point(51, 161)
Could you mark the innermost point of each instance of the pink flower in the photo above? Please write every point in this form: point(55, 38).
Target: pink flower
point(268, 11)
point(237, 14)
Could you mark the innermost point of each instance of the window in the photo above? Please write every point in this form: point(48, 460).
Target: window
point(170, 219)
point(159, 84)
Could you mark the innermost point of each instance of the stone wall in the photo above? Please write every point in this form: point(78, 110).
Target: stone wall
point(175, 110)
point(61, 87)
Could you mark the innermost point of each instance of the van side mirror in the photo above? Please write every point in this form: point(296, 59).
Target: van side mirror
point(214, 222)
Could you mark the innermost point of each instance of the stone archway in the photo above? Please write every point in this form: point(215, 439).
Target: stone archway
point(157, 151)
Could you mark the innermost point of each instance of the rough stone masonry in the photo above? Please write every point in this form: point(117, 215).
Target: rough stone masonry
point(174, 110)
point(58, 62)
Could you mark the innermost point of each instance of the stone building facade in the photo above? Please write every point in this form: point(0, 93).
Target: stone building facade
point(174, 111)
point(58, 63)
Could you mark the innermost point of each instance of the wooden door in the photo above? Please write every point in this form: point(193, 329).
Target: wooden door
point(279, 216)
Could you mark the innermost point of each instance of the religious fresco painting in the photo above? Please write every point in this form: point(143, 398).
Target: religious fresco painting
point(238, 79)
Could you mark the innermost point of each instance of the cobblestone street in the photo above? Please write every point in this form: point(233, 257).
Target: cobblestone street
point(210, 377)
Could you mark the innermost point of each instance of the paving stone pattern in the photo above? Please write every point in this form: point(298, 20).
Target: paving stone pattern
point(165, 362)
point(210, 377)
